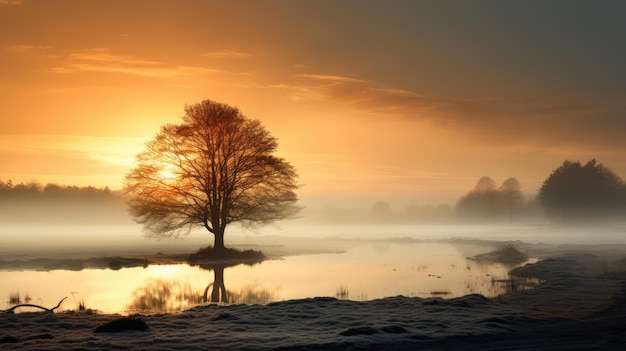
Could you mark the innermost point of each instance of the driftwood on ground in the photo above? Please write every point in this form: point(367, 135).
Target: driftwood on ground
point(10, 310)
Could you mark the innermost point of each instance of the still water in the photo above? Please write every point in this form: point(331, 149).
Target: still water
point(363, 272)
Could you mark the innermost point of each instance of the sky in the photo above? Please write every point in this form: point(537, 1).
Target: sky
point(409, 102)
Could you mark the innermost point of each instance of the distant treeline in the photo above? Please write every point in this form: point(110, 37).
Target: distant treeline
point(489, 203)
point(35, 204)
point(8, 190)
point(573, 193)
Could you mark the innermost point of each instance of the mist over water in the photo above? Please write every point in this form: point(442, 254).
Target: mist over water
point(116, 240)
point(583, 234)
point(358, 261)
point(72, 221)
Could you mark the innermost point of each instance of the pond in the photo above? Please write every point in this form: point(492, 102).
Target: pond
point(363, 272)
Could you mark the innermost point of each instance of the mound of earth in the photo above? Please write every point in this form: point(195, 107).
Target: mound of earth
point(505, 254)
point(210, 254)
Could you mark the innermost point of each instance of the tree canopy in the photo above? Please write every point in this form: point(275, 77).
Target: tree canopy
point(487, 202)
point(215, 168)
point(576, 192)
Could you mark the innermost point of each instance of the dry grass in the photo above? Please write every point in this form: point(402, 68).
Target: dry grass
point(342, 292)
point(15, 298)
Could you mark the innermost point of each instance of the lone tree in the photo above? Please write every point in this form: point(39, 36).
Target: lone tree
point(574, 192)
point(215, 168)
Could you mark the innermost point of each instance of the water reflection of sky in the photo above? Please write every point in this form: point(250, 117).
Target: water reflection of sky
point(365, 272)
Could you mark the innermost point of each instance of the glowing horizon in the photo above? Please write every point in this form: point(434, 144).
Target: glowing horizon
point(410, 102)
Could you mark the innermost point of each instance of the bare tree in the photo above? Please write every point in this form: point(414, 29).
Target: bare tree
point(215, 168)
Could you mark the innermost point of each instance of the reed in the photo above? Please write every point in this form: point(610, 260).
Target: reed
point(15, 298)
point(342, 292)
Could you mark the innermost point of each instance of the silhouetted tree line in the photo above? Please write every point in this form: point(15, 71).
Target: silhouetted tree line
point(583, 193)
point(572, 193)
point(32, 203)
point(51, 191)
point(486, 202)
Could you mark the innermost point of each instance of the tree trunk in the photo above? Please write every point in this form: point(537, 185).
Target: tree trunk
point(219, 240)
point(218, 286)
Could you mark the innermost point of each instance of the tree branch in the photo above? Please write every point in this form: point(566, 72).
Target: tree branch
point(36, 306)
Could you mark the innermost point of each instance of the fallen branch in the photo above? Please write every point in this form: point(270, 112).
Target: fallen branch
point(36, 306)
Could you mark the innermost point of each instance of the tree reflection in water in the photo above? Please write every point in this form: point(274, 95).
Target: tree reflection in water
point(219, 292)
point(160, 295)
point(249, 294)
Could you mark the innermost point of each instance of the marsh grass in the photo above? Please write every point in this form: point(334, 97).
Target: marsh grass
point(515, 283)
point(15, 298)
point(342, 292)
point(250, 295)
point(78, 303)
point(606, 268)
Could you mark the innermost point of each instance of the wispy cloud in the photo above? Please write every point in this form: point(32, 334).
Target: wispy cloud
point(332, 78)
point(26, 48)
point(108, 151)
point(361, 94)
point(227, 53)
point(11, 2)
point(68, 159)
point(593, 119)
point(103, 60)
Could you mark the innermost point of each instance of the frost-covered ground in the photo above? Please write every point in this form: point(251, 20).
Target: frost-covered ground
point(580, 306)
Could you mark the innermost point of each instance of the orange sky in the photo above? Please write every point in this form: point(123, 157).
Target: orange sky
point(406, 101)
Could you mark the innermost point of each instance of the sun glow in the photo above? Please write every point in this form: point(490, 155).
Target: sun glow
point(166, 271)
point(167, 173)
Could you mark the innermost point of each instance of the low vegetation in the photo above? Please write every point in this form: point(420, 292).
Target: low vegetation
point(210, 253)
